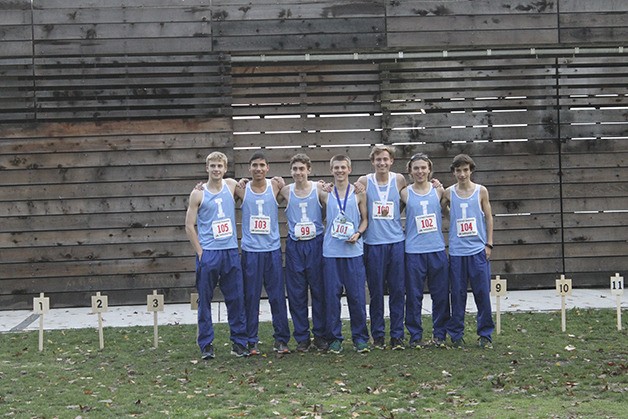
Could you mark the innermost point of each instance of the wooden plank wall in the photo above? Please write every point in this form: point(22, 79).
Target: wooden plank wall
point(128, 100)
point(594, 126)
point(501, 112)
point(107, 110)
point(16, 62)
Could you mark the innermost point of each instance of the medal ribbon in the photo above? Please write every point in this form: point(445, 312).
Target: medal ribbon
point(383, 195)
point(342, 206)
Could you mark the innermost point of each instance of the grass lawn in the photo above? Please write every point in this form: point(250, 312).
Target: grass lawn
point(534, 370)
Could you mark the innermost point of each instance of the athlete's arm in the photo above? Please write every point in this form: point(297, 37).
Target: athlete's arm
point(364, 219)
point(488, 216)
point(190, 220)
point(284, 194)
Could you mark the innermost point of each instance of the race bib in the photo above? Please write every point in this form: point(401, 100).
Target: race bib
point(383, 210)
point(466, 227)
point(304, 231)
point(426, 223)
point(222, 229)
point(259, 224)
point(342, 228)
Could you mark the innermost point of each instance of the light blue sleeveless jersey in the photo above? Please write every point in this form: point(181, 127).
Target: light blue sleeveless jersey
point(335, 248)
point(265, 205)
point(381, 231)
point(216, 207)
point(468, 209)
point(304, 211)
point(427, 235)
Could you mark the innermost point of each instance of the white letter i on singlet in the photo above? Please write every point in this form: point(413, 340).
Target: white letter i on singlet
point(303, 206)
point(463, 207)
point(260, 206)
point(221, 213)
point(424, 205)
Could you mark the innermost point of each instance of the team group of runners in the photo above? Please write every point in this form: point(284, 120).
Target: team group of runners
point(340, 234)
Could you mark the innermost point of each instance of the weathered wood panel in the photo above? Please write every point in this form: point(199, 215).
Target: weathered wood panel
point(16, 70)
point(142, 91)
point(87, 206)
point(427, 24)
point(469, 100)
point(596, 208)
point(601, 22)
point(305, 26)
point(136, 61)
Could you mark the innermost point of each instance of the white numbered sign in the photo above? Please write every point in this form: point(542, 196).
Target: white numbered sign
point(498, 287)
point(617, 285)
point(563, 286)
point(155, 302)
point(100, 303)
point(41, 305)
point(194, 301)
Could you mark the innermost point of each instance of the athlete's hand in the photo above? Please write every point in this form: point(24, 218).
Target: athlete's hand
point(359, 187)
point(242, 183)
point(354, 238)
point(326, 186)
point(436, 183)
point(279, 181)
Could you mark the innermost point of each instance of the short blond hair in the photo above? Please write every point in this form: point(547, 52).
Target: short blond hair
point(380, 149)
point(217, 155)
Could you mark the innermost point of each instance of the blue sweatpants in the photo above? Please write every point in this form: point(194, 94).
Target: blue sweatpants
point(220, 267)
point(304, 271)
point(435, 268)
point(347, 273)
point(265, 269)
point(476, 270)
point(385, 269)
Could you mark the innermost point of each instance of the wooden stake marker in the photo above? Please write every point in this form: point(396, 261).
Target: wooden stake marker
point(617, 289)
point(100, 304)
point(498, 289)
point(563, 288)
point(194, 306)
point(194, 301)
point(155, 303)
point(41, 306)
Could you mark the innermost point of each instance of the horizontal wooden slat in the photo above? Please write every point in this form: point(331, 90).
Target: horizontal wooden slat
point(447, 39)
point(122, 128)
point(161, 187)
point(478, 7)
point(138, 234)
point(110, 159)
point(226, 10)
point(585, 6)
point(112, 285)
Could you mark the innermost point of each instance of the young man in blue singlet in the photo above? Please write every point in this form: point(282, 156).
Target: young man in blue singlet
point(304, 254)
point(211, 228)
point(470, 245)
point(384, 247)
point(343, 264)
point(262, 263)
point(426, 259)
